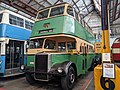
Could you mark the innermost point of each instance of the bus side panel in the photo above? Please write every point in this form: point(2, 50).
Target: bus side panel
point(14, 32)
point(76, 29)
point(59, 58)
point(2, 64)
point(90, 57)
point(73, 58)
point(30, 60)
point(80, 64)
point(56, 24)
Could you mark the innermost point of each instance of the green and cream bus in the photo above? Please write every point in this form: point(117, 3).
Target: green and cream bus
point(61, 46)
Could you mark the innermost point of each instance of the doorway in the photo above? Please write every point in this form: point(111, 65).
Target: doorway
point(14, 57)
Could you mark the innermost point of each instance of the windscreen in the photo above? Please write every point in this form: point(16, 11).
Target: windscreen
point(36, 43)
point(50, 44)
point(43, 14)
point(53, 12)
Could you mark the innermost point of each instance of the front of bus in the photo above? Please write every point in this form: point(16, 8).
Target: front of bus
point(47, 55)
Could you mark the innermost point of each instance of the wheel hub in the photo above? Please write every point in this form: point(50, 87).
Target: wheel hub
point(72, 78)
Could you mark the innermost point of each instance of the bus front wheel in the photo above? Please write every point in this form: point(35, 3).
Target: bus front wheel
point(67, 81)
point(30, 79)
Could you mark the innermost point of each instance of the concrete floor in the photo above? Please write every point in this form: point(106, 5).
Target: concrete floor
point(19, 83)
point(91, 85)
point(84, 82)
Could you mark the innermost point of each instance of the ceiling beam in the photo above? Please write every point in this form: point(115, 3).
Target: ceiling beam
point(89, 5)
point(56, 2)
point(28, 5)
point(88, 13)
point(85, 5)
point(115, 9)
point(48, 2)
point(32, 12)
point(75, 5)
point(39, 4)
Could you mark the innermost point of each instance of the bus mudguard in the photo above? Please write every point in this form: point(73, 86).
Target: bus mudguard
point(61, 69)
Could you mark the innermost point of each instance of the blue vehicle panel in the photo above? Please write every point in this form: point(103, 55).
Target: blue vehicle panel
point(2, 63)
point(14, 32)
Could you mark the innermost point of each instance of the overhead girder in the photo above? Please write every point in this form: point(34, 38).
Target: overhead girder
point(22, 6)
point(31, 7)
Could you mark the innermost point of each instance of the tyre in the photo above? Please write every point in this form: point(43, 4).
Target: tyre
point(30, 79)
point(67, 81)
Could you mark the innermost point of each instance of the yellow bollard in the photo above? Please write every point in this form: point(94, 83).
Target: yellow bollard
point(103, 83)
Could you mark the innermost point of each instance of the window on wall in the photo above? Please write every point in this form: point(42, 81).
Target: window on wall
point(28, 25)
point(70, 11)
point(16, 20)
point(57, 11)
point(1, 17)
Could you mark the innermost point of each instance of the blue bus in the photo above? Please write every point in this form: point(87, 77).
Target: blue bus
point(15, 30)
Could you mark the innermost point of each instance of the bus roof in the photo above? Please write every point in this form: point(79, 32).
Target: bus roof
point(19, 15)
point(55, 5)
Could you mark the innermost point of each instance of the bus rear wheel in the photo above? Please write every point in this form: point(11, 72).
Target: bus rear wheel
point(67, 81)
point(30, 79)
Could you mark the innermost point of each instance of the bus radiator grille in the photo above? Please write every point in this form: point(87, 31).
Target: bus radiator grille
point(41, 66)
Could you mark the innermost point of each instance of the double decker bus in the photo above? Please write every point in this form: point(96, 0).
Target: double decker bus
point(15, 29)
point(61, 46)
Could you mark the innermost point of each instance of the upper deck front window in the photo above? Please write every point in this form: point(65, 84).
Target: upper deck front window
point(43, 14)
point(57, 11)
point(70, 11)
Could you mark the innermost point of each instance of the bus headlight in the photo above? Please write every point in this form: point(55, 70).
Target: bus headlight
point(60, 70)
point(22, 67)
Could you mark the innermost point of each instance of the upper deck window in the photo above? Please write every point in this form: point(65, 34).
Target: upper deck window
point(57, 11)
point(16, 20)
point(70, 11)
point(43, 14)
point(1, 17)
point(28, 25)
